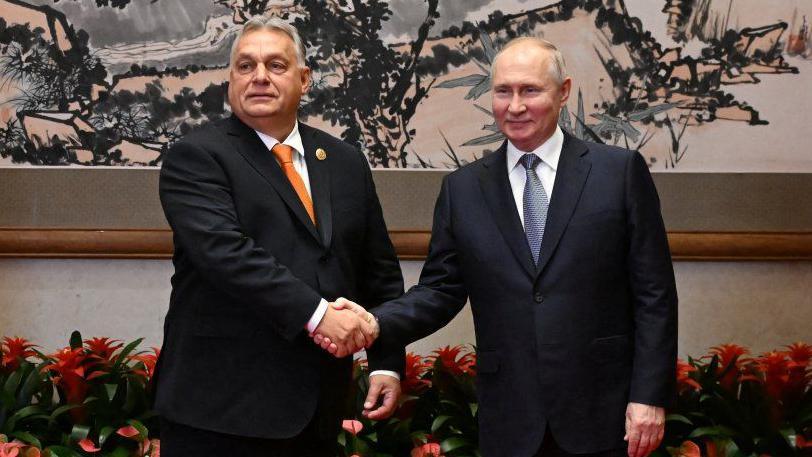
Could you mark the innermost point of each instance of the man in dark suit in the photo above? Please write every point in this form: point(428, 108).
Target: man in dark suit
point(272, 219)
point(561, 248)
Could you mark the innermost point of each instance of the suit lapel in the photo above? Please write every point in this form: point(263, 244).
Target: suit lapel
point(496, 188)
point(573, 169)
point(319, 171)
point(254, 151)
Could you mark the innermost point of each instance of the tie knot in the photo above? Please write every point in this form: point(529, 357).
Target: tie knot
point(283, 152)
point(530, 161)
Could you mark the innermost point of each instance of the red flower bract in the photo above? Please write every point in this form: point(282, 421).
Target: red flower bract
point(104, 347)
point(427, 450)
point(732, 363)
point(455, 360)
point(149, 361)
point(416, 367)
point(15, 350)
point(684, 380)
point(71, 370)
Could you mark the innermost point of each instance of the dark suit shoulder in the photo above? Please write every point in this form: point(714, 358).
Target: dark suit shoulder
point(326, 140)
point(206, 134)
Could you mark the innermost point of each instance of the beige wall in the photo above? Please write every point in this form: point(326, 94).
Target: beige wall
point(763, 305)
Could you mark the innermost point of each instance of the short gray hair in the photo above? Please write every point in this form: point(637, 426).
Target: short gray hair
point(271, 23)
point(558, 69)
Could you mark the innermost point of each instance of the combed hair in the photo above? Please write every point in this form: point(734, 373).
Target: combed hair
point(272, 23)
point(558, 68)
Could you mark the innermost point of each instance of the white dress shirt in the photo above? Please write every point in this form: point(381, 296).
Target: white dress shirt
point(549, 153)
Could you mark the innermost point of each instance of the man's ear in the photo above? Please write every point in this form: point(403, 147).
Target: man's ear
point(305, 79)
point(566, 87)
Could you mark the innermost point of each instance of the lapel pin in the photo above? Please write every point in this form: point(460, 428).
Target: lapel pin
point(321, 154)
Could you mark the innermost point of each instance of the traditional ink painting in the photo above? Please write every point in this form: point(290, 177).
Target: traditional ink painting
point(693, 85)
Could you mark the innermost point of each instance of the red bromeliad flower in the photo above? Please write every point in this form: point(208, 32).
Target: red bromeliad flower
point(775, 368)
point(455, 360)
point(14, 351)
point(684, 379)
point(71, 370)
point(800, 353)
point(733, 364)
point(413, 382)
point(104, 347)
point(149, 361)
point(800, 371)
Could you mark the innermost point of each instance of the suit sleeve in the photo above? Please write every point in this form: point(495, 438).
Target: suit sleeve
point(439, 295)
point(196, 197)
point(653, 287)
point(381, 278)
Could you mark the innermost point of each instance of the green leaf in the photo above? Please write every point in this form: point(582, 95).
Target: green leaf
point(110, 390)
point(105, 433)
point(120, 451)
point(678, 418)
point(438, 422)
point(455, 442)
point(713, 431)
point(22, 413)
point(61, 410)
point(474, 408)
point(122, 356)
point(27, 438)
point(76, 340)
point(79, 432)
point(142, 430)
point(62, 451)
point(13, 382)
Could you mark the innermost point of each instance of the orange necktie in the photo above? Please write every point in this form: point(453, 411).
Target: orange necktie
point(284, 154)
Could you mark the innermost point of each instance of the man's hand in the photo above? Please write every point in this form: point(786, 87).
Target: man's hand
point(343, 331)
point(385, 387)
point(645, 426)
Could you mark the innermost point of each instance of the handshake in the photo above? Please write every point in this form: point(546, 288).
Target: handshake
point(346, 328)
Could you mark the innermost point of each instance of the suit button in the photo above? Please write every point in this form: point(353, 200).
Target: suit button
point(538, 298)
point(324, 258)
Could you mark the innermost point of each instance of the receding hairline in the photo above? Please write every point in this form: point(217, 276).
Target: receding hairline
point(272, 24)
point(556, 64)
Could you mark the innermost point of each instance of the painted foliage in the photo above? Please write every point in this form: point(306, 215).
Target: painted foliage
point(694, 85)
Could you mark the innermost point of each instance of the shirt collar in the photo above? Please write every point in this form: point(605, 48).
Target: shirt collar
point(549, 151)
point(293, 140)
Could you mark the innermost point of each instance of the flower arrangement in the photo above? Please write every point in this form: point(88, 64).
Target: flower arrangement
point(92, 398)
point(89, 398)
point(729, 404)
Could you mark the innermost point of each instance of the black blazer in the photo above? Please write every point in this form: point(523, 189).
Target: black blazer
point(250, 268)
point(566, 344)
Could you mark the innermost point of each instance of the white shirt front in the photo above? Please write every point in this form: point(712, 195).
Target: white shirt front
point(549, 153)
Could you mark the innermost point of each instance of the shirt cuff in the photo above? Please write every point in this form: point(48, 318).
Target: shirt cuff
point(385, 373)
point(315, 319)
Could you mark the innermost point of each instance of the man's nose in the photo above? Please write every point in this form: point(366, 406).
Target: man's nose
point(261, 75)
point(516, 104)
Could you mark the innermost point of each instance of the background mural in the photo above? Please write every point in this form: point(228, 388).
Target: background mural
point(695, 85)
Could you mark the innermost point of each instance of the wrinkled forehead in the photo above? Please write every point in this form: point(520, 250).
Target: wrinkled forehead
point(515, 65)
point(262, 45)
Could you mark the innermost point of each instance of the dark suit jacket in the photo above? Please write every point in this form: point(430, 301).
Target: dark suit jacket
point(250, 269)
point(570, 342)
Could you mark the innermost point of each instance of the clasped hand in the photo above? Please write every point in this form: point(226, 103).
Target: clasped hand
point(345, 329)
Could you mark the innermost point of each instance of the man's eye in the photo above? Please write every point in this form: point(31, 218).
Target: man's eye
point(244, 67)
point(277, 66)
